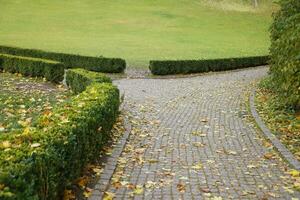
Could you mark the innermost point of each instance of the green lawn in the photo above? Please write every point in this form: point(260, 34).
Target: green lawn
point(137, 30)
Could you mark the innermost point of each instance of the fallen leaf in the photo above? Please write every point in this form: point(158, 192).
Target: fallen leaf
point(108, 196)
point(69, 195)
point(197, 166)
point(153, 161)
point(181, 187)
point(269, 156)
point(294, 173)
point(198, 144)
point(87, 192)
point(205, 190)
point(117, 185)
point(82, 181)
point(6, 144)
point(138, 190)
point(34, 145)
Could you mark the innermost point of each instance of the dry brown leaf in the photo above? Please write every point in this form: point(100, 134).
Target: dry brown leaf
point(181, 187)
point(69, 195)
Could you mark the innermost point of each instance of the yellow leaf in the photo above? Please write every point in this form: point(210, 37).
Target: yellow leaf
point(138, 190)
point(69, 195)
point(26, 131)
point(197, 167)
point(294, 173)
point(6, 144)
point(108, 196)
point(87, 193)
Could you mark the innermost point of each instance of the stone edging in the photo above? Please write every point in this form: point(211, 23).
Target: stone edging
point(110, 165)
point(285, 153)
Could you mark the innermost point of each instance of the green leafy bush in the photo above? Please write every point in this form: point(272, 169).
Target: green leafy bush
point(51, 70)
point(99, 64)
point(78, 79)
point(39, 162)
point(285, 53)
point(196, 66)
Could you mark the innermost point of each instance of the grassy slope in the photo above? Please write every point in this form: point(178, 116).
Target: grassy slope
point(137, 30)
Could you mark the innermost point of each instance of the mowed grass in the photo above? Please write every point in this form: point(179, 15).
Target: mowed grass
point(137, 30)
point(23, 100)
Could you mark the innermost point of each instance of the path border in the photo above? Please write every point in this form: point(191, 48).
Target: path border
point(111, 165)
point(284, 152)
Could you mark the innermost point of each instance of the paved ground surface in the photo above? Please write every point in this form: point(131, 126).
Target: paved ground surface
point(191, 139)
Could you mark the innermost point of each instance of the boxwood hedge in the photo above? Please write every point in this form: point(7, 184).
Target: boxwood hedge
point(99, 64)
point(166, 67)
point(285, 53)
point(39, 163)
point(51, 70)
point(78, 79)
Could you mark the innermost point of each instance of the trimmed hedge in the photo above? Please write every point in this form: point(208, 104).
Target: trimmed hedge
point(196, 66)
point(99, 64)
point(39, 164)
point(27, 66)
point(78, 79)
point(285, 53)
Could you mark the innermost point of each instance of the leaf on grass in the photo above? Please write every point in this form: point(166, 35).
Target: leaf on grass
point(6, 144)
point(35, 145)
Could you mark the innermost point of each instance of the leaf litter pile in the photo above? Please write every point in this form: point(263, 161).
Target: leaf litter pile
point(23, 100)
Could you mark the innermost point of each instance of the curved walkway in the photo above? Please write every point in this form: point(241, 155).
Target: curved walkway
point(191, 139)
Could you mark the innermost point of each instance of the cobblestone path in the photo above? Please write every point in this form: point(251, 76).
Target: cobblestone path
point(191, 139)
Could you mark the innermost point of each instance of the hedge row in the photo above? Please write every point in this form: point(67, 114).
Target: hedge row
point(78, 79)
point(196, 66)
point(99, 64)
point(39, 164)
point(285, 53)
point(51, 70)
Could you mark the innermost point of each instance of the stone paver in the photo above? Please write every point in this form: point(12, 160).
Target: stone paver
point(190, 139)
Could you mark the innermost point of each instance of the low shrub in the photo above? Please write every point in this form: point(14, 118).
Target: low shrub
point(99, 64)
point(27, 66)
point(78, 79)
point(39, 162)
point(285, 53)
point(166, 67)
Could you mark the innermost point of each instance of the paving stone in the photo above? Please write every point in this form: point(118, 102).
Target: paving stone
point(213, 107)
